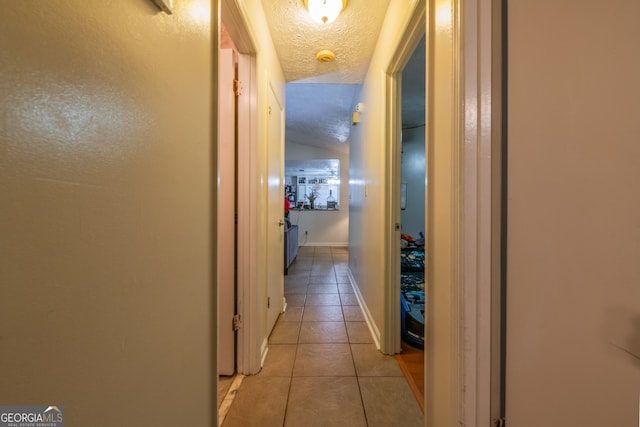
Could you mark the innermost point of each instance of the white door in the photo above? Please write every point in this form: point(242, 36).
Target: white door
point(226, 240)
point(275, 229)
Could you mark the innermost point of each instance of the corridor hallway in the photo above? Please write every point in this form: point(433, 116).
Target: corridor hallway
point(322, 368)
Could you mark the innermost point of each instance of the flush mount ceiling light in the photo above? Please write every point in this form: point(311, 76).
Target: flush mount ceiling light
point(325, 11)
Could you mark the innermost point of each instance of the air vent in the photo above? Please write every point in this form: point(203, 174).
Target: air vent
point(325, 56)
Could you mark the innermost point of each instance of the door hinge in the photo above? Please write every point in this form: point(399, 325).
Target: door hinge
point(237, 87)
point(269, 110)
point(500, 422)
point(268, 302)
point(237, 323)
point(398, 227)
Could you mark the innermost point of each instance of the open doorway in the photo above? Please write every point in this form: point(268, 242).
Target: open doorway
point(412, 219)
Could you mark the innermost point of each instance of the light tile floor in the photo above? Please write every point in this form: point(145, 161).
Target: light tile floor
point(322, 368)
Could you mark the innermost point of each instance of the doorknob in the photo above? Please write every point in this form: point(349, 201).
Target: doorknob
point(281, 223)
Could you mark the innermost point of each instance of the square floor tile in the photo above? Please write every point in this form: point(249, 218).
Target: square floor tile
point(325, 402)
point(345, 289)
point(301, 264)
point(279, 360)
point(297, 278)
point(389, 401)
point(253, 407)
point(323, 332)
point(322, 289)
point(285, 333)
point(295, 289)
point(299, 270)
point(317, 270)
point(295, 300)
point(359, 332)
point(323, 299)
point(349, 299)
point(323, 360)
point(352, 313)
point(323, 313)
point(322, 279)
point(293, 314)
point(370, 362)
point(342, 278)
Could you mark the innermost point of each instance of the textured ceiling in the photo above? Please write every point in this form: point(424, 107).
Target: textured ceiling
point(320, 114)
point(352, 37)
point(321, 96)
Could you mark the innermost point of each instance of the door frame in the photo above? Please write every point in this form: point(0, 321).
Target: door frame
point(462, 108)
point(248, 350)
point(415, 29)
point(481, 198)
point(227, 196)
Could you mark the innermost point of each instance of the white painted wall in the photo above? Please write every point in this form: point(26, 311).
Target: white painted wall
point(413, 174)
point(326, 228)
point(107, 301)
point(573, 308)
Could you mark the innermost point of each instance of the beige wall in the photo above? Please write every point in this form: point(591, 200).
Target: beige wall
point(367, 170)
point(325, 228)
point(106, 299)
point(573, 245)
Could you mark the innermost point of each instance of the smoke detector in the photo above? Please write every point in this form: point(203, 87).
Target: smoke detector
point(325, 56)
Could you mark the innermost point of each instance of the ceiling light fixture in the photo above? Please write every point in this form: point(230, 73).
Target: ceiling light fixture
point(325, 11)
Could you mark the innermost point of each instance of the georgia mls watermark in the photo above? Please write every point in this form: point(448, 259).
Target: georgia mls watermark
point(31, 416)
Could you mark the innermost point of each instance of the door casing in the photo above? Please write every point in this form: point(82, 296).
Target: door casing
point(462, 367)
point(248, 301)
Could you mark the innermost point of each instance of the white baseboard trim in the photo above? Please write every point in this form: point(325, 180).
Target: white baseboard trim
point(264, 349)
point(375, 332)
